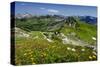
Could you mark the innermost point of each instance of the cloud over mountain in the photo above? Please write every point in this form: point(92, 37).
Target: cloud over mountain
point(53, 11)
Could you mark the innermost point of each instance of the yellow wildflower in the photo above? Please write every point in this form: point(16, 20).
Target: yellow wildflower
point(25, 54)
point(94, 56)
point(30, 52)
point(33, 63)
point(32, 58)
point(43, 54)
point(53, 46)
point(90, 57)
point(19, 63)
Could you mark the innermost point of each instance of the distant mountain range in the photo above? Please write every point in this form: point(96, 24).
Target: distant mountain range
point(20, 16)
point(87, 19)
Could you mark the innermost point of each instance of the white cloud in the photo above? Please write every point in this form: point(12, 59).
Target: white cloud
point(53, 11)
point(23, 4)
point(42, 8)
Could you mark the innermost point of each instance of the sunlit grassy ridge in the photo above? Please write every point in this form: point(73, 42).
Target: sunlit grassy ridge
point(85, 31)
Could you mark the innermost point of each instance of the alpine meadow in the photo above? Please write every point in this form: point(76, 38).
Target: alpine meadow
point(46, 33)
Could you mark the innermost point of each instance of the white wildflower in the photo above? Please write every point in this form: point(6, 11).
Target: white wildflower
point(83, 49)
point(35, 37)
point(73, 50)
point(93, 38)
point(65, 40)
point(68, 48)
point(49, 40)
point(63, 35)
point(94, 53)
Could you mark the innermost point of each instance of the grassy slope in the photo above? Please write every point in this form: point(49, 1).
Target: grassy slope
point(39, 50)
point(85, 32)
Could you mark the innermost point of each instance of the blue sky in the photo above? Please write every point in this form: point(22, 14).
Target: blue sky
point(44, 9)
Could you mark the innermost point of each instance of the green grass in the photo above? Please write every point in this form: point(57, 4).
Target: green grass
point(85, 32)
point(40, 51)
point(35, 49)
